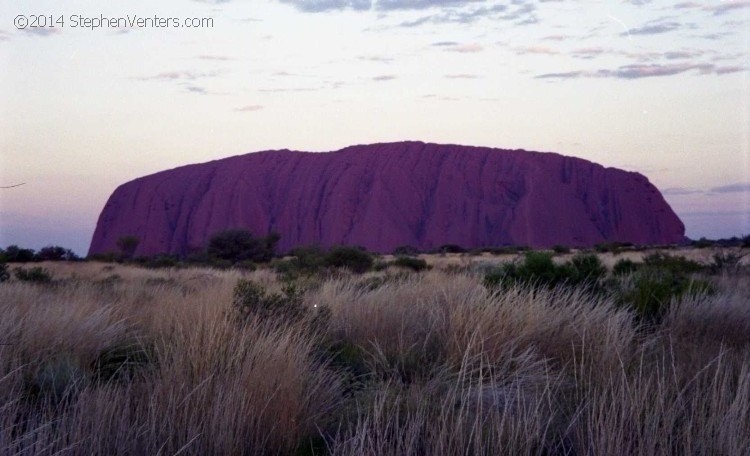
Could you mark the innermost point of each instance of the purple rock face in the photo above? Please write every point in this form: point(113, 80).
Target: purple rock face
point(383, 196)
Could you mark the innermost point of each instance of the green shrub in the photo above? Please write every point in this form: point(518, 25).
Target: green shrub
point(702, 243)
point(36, 275)
point(537, 268)
point(651, 291)
point(4, 274)
point(614, 247)
point(508, 250)
point(415, 264)
point(351, 258)
point(252, 300)
point(128, 245)
point(246, 265)
point(240, 245)
point(159, 261)
point(451, 248)
point(584, 269)
point(405, 250)
point(561, 249)
point(672, 263)
point(624, 266)
point(308, 260)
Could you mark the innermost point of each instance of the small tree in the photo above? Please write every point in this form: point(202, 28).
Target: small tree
point(15, 254)
point(55, 253)
point(240, 245)
point(128, 245)
point(352, 258)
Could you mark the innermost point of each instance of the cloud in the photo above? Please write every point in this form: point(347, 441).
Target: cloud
point(557, 37)
point(717, 8)
point(446, 43)
point(385, 77)
point(535, 50)
point(466, 48)
point(184, 75)
point(653, 28)
point(317, 6)
point(42, 31)
point(520, 12)
point(734, 188)
point(680, 191)
point(196, 89)
point(687, 5)
point(4, 36)
point(589, 53)
point(565, 75)
point(249, 108)
point(640, 71)
point(376, 58)
point(727, 6)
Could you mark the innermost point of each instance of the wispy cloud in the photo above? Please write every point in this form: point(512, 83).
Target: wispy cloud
point(653, 28)
point(42, 31)
point(640, 71)
point(196, 89)
point(589, 52)
point(446, 43)
point(734, 188)
point(680, 191)
point(182, 75)
point(465, 48)
point(376, 58)
point(316, 6)
point(519, 12)
point(717, 8)
point(727, 6)
point(249, 108)
point(385, 77)
point(687, 5)
point(557, 37)
point(535, 50)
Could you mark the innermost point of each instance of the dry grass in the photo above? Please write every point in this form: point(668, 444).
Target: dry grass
point(123, 360)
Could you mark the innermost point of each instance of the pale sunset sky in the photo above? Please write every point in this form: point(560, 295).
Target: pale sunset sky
point(658, 87)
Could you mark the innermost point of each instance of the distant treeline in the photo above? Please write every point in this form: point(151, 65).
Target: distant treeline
point(240, 248)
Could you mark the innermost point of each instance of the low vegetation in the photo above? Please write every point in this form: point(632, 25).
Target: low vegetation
point(342, 352)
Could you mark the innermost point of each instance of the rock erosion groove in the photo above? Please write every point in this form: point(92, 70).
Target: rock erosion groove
point(382, 196)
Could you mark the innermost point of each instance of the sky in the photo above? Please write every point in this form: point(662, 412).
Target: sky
point(94, 94)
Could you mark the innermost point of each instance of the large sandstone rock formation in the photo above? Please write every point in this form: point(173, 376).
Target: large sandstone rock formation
point(386, 195)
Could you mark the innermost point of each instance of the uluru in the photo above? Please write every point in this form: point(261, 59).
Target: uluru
point(382, 196)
